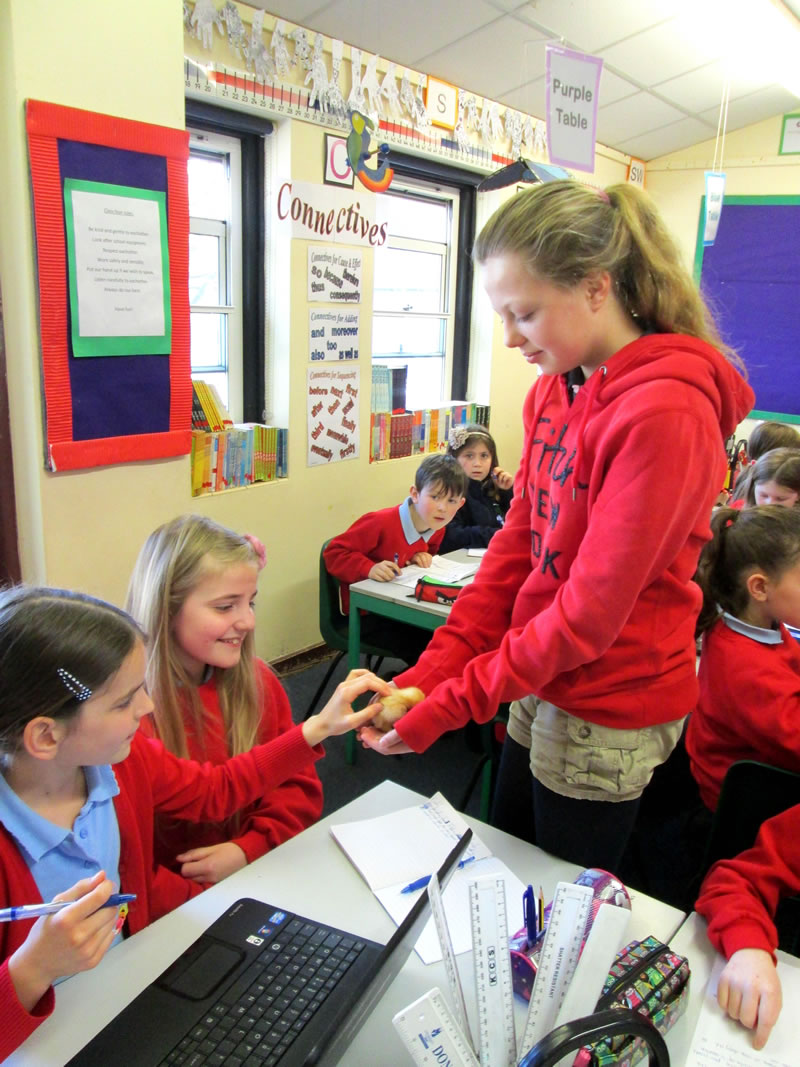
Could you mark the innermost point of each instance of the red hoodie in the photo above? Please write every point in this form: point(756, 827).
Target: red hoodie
point(586, 597)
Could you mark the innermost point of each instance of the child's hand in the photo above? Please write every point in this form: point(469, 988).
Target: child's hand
point(384, 571)
point(73, 939)
point(388, 744)
point(212, 863)
point(502, 478)
point(750, 991)
point(337, 717)
point(422, 559)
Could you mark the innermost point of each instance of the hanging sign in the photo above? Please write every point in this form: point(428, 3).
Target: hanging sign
point(324, 212)
point(715, 192)
point(333, 422)
point(332, 334)
point(790, 136)
point(573, 81)
point(334, 276)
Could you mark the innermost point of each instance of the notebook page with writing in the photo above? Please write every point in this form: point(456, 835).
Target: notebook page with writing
point(721, 1040)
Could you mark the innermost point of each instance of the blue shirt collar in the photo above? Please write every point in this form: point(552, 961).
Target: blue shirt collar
point(755, 633)
point(410, 531)
point(36, 835)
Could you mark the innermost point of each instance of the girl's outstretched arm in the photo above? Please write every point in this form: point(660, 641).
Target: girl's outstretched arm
point(749, 990)
point(337, 717)
point(74, 939)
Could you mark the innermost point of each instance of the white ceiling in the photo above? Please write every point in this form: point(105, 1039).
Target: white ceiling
point(660, 89)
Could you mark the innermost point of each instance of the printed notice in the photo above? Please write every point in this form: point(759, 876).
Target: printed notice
point(332, 334)
point(118, 262)
point(332, 415)
point(334, 276)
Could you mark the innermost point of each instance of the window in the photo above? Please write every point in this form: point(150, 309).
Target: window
point(423, 279)
point(226, 258)
point(215, 264)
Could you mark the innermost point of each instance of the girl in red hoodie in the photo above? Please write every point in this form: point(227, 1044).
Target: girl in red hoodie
point(583, 610)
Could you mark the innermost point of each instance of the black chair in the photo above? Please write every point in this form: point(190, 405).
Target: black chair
point(753, 792)
point(333, 626)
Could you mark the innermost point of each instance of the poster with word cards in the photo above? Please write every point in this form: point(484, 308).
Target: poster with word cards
point(332, 414)
point(334, 275)
point(332, 334)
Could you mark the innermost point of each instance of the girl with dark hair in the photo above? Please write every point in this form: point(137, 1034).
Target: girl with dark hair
point(488, 489)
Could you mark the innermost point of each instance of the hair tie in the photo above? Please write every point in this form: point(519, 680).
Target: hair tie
point(258, 547)
point(604, 196)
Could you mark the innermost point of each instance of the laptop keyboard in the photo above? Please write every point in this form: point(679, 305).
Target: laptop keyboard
point(256, 1020)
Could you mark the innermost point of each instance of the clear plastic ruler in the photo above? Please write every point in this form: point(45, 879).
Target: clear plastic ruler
point(448, 956)
point(492, 966)
point(431, 1034)
point(560, 950)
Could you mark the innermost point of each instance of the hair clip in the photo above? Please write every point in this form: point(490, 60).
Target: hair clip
point(78, 689)
point(459, 435)
point(604, 196)
point(258, 547)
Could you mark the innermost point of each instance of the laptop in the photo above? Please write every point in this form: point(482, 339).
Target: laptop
point(261, 986)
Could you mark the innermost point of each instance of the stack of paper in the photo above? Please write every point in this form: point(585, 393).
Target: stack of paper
point(391, 851)
point(445, 570)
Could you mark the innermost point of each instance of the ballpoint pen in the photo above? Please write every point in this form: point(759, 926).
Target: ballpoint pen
point(422, 882)
point(529, 914)
point(34, 911)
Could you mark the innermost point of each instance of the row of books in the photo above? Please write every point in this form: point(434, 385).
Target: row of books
point(415, 433)
point(241, 455)
point(388, 388)
point(208, 410)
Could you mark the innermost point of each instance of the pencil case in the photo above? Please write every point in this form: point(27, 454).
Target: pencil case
point(646, 977)
point(607, 889)
point(435, 591)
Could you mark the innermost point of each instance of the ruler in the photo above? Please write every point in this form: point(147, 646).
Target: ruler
point(560, 950)
point(492, 966)
point(431, 1034)
point(448, 955)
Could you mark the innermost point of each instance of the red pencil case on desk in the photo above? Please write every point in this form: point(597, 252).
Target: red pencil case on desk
point(607, 889)
point(435, 591)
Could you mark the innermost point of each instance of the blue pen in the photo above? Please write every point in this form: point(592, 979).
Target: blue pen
point(420, 883)
point(529, 913)
point(34, 911)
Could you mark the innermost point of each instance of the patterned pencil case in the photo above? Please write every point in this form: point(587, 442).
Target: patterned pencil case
point(651, 979)
point(436, 591)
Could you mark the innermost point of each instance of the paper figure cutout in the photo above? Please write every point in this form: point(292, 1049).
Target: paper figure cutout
point(204, 18)
point(460, 131)
point(370, 87)
point(356, 100)
point(302, 49)
point(540, 139)
point(318, 75)
point(255, 52)
point(513, 125)
point(334, 93)
point(390, 91)
point(471, 114)
point(407, 95)
point(527, 132)
point(280, 49)
point(237, 36)
point(359, 150)
point(420, 112)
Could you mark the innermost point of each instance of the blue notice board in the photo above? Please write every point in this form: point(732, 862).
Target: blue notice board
point(751, 278)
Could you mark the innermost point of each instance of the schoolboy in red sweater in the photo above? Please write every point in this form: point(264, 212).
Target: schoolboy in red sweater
point(739, 898)
point(381, 543)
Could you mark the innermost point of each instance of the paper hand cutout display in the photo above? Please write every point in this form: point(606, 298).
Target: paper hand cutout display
point(377, 178)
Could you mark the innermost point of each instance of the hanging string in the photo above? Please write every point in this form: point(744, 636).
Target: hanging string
point(722, 125)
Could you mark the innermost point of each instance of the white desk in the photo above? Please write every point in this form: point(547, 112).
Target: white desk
point(312, 876)
point(692, 941)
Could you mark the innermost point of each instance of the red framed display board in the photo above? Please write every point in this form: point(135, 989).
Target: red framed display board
point(111, 216)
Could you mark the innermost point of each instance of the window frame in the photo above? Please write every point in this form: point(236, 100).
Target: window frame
point(432, 171)
point(251, 131)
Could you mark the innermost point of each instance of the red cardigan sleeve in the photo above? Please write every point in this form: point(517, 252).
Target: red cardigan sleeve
point(19, 1024)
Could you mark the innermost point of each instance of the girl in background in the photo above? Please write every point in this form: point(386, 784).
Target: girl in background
point(773, 479)
point(583, 609)
point(488, 489)
point(749, 675)
point(72, 673)
point(192, 591)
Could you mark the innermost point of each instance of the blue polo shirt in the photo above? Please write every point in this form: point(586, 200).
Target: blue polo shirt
point(58, 857)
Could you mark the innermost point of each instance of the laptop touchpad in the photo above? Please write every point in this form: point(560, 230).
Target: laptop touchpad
point(198, 972)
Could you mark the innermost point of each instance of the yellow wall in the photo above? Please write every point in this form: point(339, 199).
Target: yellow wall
point(84, 529)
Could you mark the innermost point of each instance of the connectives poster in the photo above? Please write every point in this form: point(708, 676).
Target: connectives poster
point(332, 334)
point(332, 414)
point(334, 276)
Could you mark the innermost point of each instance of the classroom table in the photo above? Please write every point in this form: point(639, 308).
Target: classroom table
point(395, 602)
point(692, 941)
point(312, 876)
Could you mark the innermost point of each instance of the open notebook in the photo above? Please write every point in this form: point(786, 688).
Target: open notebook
point(262, 986)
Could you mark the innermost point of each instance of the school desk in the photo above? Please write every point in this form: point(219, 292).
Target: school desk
point(311, 875)
point(692, 941)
